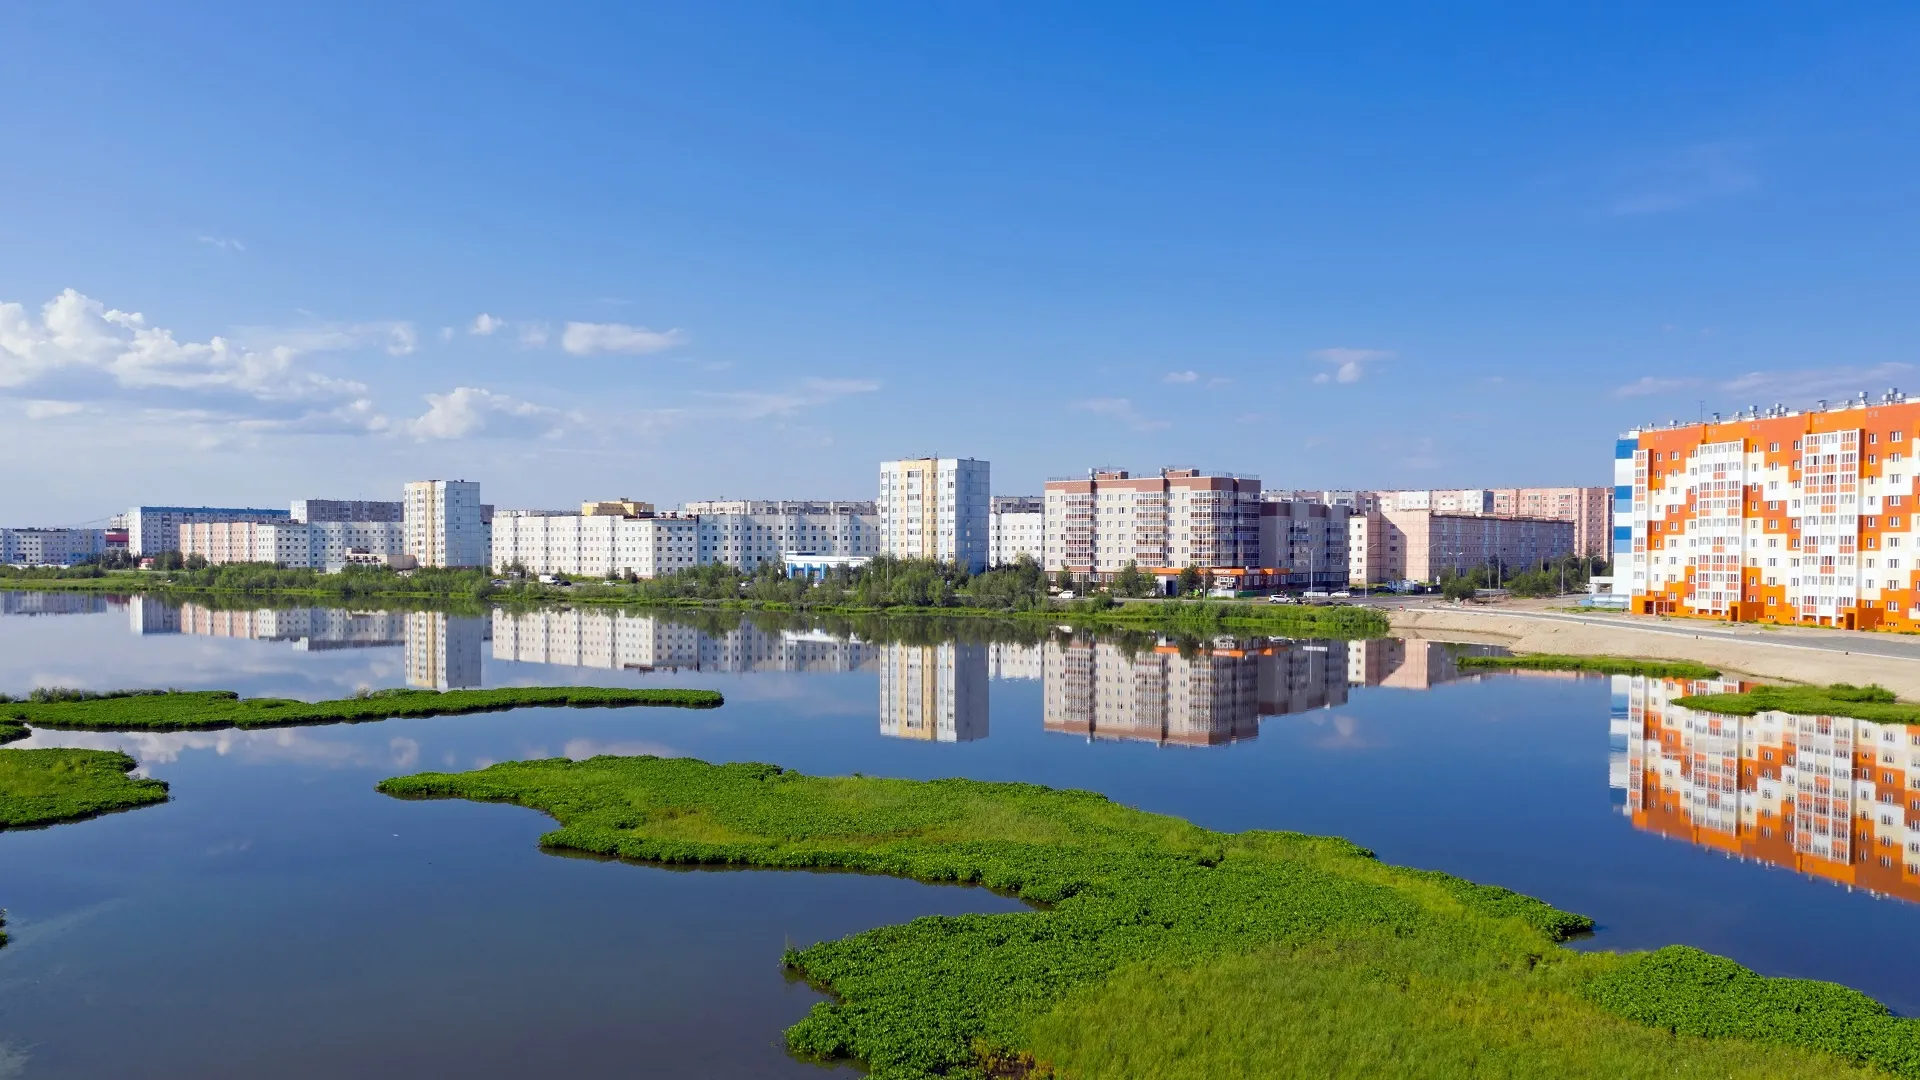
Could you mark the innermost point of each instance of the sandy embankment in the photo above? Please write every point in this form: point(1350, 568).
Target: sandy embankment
point(1760, 659)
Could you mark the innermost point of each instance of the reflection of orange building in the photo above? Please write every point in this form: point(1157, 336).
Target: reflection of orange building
point(1826, 796)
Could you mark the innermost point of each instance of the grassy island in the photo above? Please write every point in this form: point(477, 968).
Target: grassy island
point(40, 787)
point(1602, 665)
point(1162, 949)
point(1839, 699)
point(198, 710)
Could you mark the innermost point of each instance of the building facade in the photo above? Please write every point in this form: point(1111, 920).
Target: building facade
point(322, 545)
point(1774, 515)
point(1016, 526)
point(50, 547)
point(1162, 523)
point(314, 511)
point(153, 529)
point(445, 523)
point(935, 508)
point(1589, 508)
point(1305, 542)
point(648, 545)
point(1422, 546)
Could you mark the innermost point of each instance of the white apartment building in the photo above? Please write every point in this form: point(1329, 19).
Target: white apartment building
point(314, 511)
point(443, 651)
point(1163, 523)
point(324, 545)
point(153, 529)
point(50, 547)
point(935, 508)
point(445, 523)
point(597, 545)
point(1016, 526)
point(555, 542)
point(1305, 542)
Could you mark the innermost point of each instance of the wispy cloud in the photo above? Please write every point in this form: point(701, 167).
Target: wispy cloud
point(807, 394)
point(1181, 377)
point(1830, 382)
point(588, 339)
point(1687, 178)
point(1652, 386)
point(485, 325)
point(1349, 365)
point(223, 243)
point(1121, 409)
point(534, 335)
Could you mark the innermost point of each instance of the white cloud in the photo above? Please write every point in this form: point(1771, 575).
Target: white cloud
point(1692, 176)
point(534, 334)
point(47, 410)
point(485, 324)
point(81, 349)
point(1348, 364)
point(809, 393)
point(469, 411)
point(1182, 377)
point(1648, 386)
point(401, 339)
point(224, 244)
point(588, 339)
point(1796, 388)
point(1121, 409)
point(446, 333)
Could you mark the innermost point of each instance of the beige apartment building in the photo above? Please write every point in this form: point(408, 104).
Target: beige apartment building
point(1162, 523)
point(1421, 545)
point(1589, 508)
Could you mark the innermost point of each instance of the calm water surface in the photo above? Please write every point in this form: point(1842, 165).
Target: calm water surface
point(279, 916)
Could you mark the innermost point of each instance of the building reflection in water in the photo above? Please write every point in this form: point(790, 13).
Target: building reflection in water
point(610, 639)
point(936, 693)
point(1829, 797)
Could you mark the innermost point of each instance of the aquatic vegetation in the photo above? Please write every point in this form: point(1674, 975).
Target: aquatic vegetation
point(40, 787)
point(1603, 665)
point(194, 710)
point(1839, 699)
point(11, 730)
point(1158, 947)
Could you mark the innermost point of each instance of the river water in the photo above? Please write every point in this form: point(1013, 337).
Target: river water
point(280, 917)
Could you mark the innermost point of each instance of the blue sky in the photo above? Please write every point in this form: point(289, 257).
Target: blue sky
point(749, 250)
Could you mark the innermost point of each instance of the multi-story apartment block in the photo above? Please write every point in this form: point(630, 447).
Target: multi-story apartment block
point(1773, 515)
point(935, 508)
point(321, 545)
point(1358, 502)
point(1420, 545)
point(446, 524)
point(779, 506)
point(1305, 542)
point(443, 651)
point(50, 547)
point(648, 544)
point(1181, 517)
point(1192, 698)
point(1016, 526)
point(1589, 508)
point(1826, 796)
point(153, 529)
point(315, 511)
point(936, 693)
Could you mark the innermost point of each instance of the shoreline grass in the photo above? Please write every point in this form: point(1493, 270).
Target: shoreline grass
point(1838, 699)
point(47, 786)
point(201, 710)
point(1604, 665)
point(1160, 948)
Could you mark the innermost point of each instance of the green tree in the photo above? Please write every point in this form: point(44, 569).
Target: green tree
point(1457, 587)
point(1130, 581)
point(1064, 580)
point(1189, 580)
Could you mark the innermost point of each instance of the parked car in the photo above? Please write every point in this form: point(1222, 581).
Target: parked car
point(1342, 594)
point(1281, 598)
point(1315, 594)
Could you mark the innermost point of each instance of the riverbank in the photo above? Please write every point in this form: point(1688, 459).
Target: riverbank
point(1170, 950)
point(202, 710)
point(1783, 658)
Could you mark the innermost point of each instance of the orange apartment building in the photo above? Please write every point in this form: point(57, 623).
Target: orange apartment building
point(1774, 515)
point(1825, 796)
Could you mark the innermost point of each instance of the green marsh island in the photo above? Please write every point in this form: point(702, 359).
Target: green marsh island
point(1160, 949)
point(42, 787)
point(200, 710)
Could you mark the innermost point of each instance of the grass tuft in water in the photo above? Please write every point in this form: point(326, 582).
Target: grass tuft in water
point(1603, 665)
point(196, 710)
point(41, 787)
point(1159, 948)
point(1839, 699)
